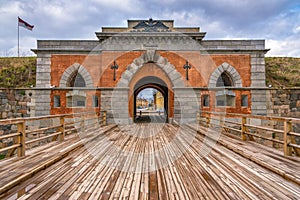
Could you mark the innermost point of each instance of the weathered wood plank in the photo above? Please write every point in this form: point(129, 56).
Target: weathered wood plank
point(164, 169)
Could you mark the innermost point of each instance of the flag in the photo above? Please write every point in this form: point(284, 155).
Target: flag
point(24, 24)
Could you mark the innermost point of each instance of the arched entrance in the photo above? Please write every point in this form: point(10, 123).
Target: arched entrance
point(151, 76)
point(150, 64)
point(151, 115)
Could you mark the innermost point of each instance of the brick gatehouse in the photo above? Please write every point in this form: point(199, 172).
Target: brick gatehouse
point(192, 73)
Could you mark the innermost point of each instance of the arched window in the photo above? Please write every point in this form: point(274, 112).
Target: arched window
point(76, 80)
point(225, 76)
point(224, 80)
point(76, 76)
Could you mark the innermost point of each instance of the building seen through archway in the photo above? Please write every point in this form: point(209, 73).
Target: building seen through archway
point(150, 106)
point(151, 100)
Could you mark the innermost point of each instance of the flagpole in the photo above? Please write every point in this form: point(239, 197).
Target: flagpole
point(24, 25)
point(18, 39)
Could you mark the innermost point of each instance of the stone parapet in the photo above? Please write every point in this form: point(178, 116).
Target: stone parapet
point(115, 103)
point(233, 44)
point(43, 70)
point(42, 103)
point(186, 105)
point(67, 44)
point(258, 102)
point(258, 74)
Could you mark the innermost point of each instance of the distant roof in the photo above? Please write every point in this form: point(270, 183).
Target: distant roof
point(150, 25)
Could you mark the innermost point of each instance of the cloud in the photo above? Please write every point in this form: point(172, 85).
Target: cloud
point(297, 29)
point(127, 6)
point(146, 93)
point(246, 11)
point(288, 47)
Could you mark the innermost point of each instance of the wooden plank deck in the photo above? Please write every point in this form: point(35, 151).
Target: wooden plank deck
point(150, 161)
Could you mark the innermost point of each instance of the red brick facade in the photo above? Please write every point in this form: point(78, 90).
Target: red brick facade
point(144, 52)
point(99, 69)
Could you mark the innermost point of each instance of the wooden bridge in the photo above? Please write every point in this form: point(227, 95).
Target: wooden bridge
point(80, 157)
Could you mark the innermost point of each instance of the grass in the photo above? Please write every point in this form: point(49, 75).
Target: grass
point(283, 71)
point(16, 72)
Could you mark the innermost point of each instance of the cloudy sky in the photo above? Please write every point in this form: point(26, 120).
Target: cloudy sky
point(277, 21)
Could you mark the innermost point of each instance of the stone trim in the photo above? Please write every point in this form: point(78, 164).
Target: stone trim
point(43, 70)
point(225, 67)
point(117, 109)
point(151, 56)
point(81, 70)
point(76, 93)
point(171, 41)
point(185, 98)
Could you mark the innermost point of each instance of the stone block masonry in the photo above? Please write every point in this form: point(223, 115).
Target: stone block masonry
point(284, 102)
point(16, 103)
point(186, 105)
point(115, 103)
point(43, 79)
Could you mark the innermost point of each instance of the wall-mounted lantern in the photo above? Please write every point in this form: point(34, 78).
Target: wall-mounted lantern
point(114, 67)
point(187, 66)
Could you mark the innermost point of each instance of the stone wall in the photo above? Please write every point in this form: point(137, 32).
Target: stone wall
point(16, 103)
point(284, 102)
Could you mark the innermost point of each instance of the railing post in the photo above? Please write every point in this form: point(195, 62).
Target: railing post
point(104, 118)
point(62, 128)
point(82, 123)
point(21, 139)
point(96, 119)
point(221, 118)
point(207, 121)
point(243, 128)
point(198, 118)
point(287, 138)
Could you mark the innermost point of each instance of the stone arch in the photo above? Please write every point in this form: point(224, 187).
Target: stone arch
point(158, 84)
point(184, 109)
point(71, 70)
point(229, 70)
point(151, 57)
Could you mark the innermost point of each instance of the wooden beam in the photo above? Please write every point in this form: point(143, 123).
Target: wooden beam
point(293, 141)
point(21, 139)
point(286, 138)
point(62, 129)
point(243, 127)
point(104, 118)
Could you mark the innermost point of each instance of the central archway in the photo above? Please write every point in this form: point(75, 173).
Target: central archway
point(151, 63)
point(159, 85)
point(151, 76)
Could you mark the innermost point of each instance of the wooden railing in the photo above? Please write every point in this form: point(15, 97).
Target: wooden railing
point(252, 127)
point(25, 135)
